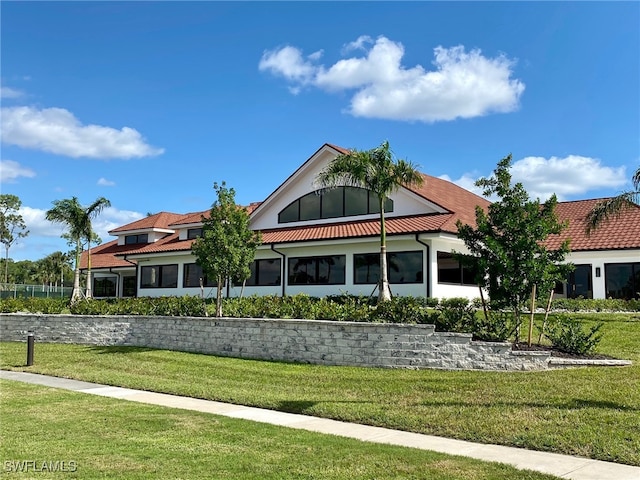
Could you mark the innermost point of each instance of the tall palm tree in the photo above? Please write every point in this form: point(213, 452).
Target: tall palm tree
point(615, 205)
point(377, 171)
point(77, 218)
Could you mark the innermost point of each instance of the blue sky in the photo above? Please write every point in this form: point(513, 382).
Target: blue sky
point(149, 103)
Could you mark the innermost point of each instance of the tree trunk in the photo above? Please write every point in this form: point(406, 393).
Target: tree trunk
point(219, 298)
point(384, 293)
point(533, 309)
point(76, 294)
point(88, 293)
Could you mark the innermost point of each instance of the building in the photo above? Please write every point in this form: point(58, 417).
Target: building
point(327, 243)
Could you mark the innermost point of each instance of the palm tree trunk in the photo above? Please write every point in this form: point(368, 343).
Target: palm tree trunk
point(88, 293)
point(384, 293)
point(75, 294)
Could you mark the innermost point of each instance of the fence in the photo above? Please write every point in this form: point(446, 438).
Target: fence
point(16, 290)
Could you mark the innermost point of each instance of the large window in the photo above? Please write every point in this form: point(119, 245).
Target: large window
point(402, 267)
point(194, 233)
point(105, 286)
point(329, 270)
point(159, 276)
point(333, 203)
point(622, 280)
point(141, 238)
point(265, 272)
point(579, 282)
point(129, 286)
point(450, 270)
point(192, 274)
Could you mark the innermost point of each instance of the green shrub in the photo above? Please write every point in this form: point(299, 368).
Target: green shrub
point(568, 335)
point(34, 305)
point(498, 327)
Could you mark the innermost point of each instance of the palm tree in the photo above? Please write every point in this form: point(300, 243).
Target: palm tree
point(377, 171)
point(614, 206)
point(78, 220)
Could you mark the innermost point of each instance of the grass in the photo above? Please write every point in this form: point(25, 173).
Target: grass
point(592, 412)
point(107, 438)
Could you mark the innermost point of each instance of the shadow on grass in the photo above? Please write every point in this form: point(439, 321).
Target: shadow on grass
point(295, 407)
point(119, 349)
point(573, 404)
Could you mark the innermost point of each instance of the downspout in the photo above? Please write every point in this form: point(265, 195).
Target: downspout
point(119, 281)
point(283, 268)
point(137, 271)
point(428, 275)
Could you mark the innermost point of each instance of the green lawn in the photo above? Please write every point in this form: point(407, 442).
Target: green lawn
point(107, 438)
point(592, 412)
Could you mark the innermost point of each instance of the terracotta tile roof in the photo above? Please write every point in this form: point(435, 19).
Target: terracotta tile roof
point(103, 256)
point(361, 228)
point(196, 217)
point(170, 243)
point(159, 220)
point(453, 198)
point(622, 233)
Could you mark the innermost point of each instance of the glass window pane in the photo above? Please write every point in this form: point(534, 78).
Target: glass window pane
point(331, 270)
point(289, 214)
point(148, 277)
point(310, 207)
point(373, 203)
point(405, 267)
point(104, 286)
point(169, 276)
point(366, 267)
point(301, 270)
point(621, 280)
point(192, 274)
point(129, 286)
point(269, 271)
point(333, 203)
point(355, 201)
point(448, 269)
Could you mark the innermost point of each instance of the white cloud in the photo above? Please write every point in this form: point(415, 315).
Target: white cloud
point(11, 170)
point(7, 92)
point(109, 218)
point(58, 131)
point(289, 63)
point(462, 85)
point(103, 182)
point(568, 177)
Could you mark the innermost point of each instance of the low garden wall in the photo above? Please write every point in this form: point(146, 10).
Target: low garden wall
point(304, 341)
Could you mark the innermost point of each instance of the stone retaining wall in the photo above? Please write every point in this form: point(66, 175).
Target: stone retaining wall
point(305, 341)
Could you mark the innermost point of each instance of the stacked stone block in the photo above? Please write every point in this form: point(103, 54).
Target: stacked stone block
point(304, 341)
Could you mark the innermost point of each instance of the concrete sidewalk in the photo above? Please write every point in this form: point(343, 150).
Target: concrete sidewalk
point(563, 466)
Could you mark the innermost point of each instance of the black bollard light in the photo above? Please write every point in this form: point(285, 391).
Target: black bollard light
point(30, 343)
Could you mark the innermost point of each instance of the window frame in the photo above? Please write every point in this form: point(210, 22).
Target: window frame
point(160, 275)
point(316, 260)
point(462, 271)
point(136, 239)
point(255, 273)
point(97, 290)
point(294, 212)
point(390, 256)
point(185, 277)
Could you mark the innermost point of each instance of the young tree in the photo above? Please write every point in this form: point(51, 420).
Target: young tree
point(614, 206)
point(77, 218)
point(507, 245)
point(377, 171)
point(227, 245)
point(12, 226)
